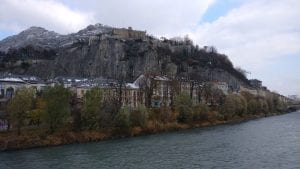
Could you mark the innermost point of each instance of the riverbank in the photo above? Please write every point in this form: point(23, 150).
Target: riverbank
point(39, 138)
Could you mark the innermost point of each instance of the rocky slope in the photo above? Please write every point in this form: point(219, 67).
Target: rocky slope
point(103, 51)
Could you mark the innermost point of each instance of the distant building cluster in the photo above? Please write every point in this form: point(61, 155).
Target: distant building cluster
point(146, 89)
point(150, 90)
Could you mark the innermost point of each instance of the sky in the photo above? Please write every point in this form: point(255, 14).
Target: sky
point(261, 36)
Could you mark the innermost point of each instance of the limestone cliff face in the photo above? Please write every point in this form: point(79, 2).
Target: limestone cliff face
point(109, 58)
point(99, 51)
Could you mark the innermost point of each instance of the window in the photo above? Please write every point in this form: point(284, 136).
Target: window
point(2, 92)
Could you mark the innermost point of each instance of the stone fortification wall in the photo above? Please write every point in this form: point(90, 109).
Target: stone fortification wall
point(128, 33)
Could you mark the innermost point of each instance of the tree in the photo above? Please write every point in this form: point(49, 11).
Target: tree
point(207, 92)
point(242, 71)
point(36, 114)
point(228, 109)
point(76, 105)
point(92, 104)
point(279, 106)
point(201, 112)
point(252, 106)
point(217, 97)
point(148, 84)
point(57, 101)
point(265, 107)
point(19, 105)
point(258, 105)
point(242, 106)
point(187, 40)
point(166, 114)
point(109, 111)
point(183, 105)
point(234, 105)
point(269, 99)
point(210, 49)
point(122, 119)
point(139, 116)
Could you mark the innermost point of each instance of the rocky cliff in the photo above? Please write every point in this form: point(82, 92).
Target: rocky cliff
point(103, 51)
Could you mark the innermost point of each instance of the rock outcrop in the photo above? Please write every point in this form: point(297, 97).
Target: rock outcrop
point(103, 51)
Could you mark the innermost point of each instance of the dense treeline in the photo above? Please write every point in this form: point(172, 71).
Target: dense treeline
point(56, 108)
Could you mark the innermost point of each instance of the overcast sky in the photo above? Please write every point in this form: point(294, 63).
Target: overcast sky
point(261, 36)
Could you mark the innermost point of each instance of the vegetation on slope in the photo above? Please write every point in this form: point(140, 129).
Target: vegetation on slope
point(54, 119)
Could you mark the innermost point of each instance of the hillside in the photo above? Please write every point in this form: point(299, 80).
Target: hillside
point(103, 51)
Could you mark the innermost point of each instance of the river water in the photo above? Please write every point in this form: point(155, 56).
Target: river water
point(272, 143)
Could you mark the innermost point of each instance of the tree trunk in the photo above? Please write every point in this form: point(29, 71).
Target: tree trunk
point(8, 125)
point(19, 130)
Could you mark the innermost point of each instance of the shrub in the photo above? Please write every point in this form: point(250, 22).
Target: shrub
point(122, 119)
point(57, 100)
point(264, 106)
point(139, 117)
point(110, 109)
point(92, 104)
point(213, 116)
point(163, 114)
point(234, 105)
point(201, 112)
point(183, 105)
point(241, 105)
point(19, 106)
point(252, 106)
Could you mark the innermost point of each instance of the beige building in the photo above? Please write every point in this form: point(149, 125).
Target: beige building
point(124, 33)
point(131, 95)
point(161, 91)
point(223, 86)
point(249, 90)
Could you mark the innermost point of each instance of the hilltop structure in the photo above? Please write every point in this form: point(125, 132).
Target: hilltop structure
point(125, 63)
point(113, 53)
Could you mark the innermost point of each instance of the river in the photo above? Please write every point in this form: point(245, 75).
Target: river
point(270, 143)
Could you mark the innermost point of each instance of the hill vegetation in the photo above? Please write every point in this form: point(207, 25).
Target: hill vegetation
point(97, 52)
point(56, 117)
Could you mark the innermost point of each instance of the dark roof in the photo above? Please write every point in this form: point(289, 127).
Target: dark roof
point(85, 82)
point(254, 80)
point(9, 77)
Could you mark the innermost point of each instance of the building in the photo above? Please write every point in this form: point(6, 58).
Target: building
point(124, 33)
point(283, 99)
point(248, 90)
point(67, 82)
point(81, 85)
point(9, 83)
point(255, 83)
point(3, 114)
point(223, 86)
point(132, 95)
point(155, 86)
point(161, 91)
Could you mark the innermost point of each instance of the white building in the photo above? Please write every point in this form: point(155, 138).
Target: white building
point(10, 83)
